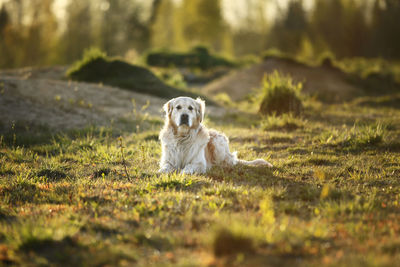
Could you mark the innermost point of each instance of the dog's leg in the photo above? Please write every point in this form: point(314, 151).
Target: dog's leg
point(256, 162)
point(166, 168)
point(199, 167)
point(223, 155)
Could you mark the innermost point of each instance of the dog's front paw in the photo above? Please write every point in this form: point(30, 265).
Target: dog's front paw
point(188, 170)
point(193, 168)
point(166, 169)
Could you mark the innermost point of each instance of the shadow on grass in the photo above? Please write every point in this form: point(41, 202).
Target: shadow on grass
point(68, 252)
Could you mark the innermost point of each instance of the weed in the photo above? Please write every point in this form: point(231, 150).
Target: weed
point(121, 147)
point(280, 95)
point(284, 122)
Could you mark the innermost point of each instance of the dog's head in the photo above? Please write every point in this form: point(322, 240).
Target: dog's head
point(185, 112)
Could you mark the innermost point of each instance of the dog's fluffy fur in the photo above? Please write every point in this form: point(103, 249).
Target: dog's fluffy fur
point(188, 146)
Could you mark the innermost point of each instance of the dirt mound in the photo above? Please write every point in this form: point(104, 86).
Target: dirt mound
point(326, 82)
point(125, 75)
point(30, 96)
point(63, 104)
point(51, 73)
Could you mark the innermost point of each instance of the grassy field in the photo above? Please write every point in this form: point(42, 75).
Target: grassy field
point(78, 198)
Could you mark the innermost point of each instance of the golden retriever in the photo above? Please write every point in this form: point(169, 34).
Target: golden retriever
point(188, 146)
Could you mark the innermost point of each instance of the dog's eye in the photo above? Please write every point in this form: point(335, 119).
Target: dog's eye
point(190, 108)
point(178, 107)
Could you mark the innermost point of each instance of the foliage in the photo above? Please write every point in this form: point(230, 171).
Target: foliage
point(96, 67)
point(198, 57)
point(290, 29)
point(78, 35)
point(280, 95)
point(89, 55)
point(38, 33)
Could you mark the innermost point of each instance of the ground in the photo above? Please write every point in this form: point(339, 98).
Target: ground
point(325, 82)
point(87, 196)
point(46, 97)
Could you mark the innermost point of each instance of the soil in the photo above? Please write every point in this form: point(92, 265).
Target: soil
point(327, 83)
point(43, 96)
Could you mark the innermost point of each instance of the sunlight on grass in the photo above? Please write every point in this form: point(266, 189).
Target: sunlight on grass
point(334, 182)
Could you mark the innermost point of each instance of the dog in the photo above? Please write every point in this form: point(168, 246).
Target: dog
point(188, 146)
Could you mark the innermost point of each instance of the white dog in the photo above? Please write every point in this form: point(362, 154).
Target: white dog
point(188, 146)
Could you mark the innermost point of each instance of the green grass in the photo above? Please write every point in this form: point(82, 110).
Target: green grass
point(280, 95)
point(284, 122)
point(376, 76)
point(332, 198)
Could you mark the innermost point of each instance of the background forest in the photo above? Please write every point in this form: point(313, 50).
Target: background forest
point(48, 32)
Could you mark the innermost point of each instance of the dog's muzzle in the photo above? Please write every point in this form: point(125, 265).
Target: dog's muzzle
point(184, 120)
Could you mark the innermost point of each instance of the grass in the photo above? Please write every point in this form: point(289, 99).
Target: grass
point(332, 199)
point(284, 122)
point(376, 76)
point(280, 95)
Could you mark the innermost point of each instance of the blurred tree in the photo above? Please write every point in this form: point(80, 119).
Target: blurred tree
point(250, 35)
point(203, 23)
point(385, 29)
point(31, 34)
point(41, 34)
point(138, 30)
point(153, 12)
point(356, 35)
point(78, 32)
point(4, 19)
point(113, 26)
point(5, 28)
point(120, 26)
point(290, 29)
point(340, 27)
point(163, 27)
point(327, 25)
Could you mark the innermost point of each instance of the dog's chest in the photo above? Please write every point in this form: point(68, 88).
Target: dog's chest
point(184, 153)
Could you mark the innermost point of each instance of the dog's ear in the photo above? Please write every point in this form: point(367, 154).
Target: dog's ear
point(201, 108)
point(168, 107)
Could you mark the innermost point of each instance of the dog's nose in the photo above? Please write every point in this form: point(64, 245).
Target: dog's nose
point(185, 119)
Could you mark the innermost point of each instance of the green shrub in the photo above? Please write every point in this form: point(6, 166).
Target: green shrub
point(280, 95)
point(89, 55)
point(275, 53)
point(198, 57)
point(326, 59)
point(96, 67)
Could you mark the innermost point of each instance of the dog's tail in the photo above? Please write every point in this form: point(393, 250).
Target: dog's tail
point(256, 162)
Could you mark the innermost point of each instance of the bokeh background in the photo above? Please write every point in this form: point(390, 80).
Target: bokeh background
point(49, 32)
